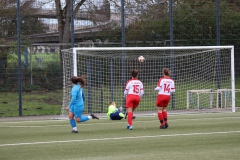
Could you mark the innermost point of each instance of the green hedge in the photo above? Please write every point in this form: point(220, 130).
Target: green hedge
point(47, 78)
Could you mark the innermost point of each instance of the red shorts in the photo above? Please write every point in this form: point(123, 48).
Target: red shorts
point(132, 101)
point(162, 100)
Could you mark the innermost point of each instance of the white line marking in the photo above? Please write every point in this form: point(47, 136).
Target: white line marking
point(222, 122)
point(116, 122)
point(118, 138)
point(35, 121)
point(43, 121)
point(138, 115)
point(33, 126)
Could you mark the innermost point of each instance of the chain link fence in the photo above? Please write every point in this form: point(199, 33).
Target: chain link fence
point(48, 27)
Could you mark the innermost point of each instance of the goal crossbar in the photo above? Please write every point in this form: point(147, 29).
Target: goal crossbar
point(151, 48)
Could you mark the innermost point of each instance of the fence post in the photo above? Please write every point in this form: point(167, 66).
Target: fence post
point(171, 44)
point(218, 54)
point(19, 58)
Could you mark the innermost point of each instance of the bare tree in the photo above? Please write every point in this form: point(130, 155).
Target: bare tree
point(63, 13)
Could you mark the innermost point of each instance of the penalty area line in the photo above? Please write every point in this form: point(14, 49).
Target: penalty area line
point(117, 138)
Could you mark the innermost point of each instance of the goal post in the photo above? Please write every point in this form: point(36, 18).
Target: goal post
point(107, 70)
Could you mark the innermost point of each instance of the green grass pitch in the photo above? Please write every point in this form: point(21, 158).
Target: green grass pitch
point(189, 136)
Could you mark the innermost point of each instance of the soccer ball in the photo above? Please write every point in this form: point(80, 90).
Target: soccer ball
point(141, 59)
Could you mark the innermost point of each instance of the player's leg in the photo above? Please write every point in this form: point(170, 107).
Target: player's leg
point(165, 116)
point(121, 115)
point(85, 118)
point(117, 116)
point(159, 104)
point(128, 107)
point(164, 111)
point(78, 114)
point(129, 117)
point(131, 105)
point(125, 115)
point(133, 117)
point(160, 117)
point(80, 119)
point(72, 122)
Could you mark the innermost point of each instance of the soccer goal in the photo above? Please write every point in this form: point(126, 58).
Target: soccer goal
point(219, 98)
point(192, 68)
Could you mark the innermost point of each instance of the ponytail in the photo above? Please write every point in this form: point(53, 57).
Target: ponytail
point(82, 82)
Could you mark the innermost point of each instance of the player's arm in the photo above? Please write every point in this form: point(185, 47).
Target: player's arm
point(141, 91)
point(126, 91)
point(83, 95)
point(172, 88)
point(73, 98)
point(158, 85)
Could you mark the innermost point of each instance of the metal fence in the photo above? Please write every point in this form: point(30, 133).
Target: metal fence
point(31, 40)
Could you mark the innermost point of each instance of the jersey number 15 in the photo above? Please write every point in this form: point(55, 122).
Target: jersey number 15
point(136, 88)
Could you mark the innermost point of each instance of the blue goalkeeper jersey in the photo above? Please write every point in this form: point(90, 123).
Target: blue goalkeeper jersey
point(77, 97)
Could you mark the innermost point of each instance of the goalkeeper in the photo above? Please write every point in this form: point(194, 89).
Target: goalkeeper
point(114, 113)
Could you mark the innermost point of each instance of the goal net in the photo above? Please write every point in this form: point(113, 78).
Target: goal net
point(198, 72)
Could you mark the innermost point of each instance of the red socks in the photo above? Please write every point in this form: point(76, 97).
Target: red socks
point(165, 116)
point(160, 117)
point(129, 116)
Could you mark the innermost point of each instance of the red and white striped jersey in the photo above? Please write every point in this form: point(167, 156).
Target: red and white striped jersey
point(135, 87)
point(165, 86)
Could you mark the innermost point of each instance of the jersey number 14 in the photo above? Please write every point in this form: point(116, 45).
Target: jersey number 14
point(166, 87)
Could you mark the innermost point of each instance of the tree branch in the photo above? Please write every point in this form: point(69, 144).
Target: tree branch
point(79, 4)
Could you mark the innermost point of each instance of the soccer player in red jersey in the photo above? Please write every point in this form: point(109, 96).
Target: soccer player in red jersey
point(164, 87)
point(133, 93)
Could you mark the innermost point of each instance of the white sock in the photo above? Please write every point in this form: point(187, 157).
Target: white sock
point(75, 128)
point(89, 117)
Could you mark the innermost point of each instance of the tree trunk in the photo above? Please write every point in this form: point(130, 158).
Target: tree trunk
point(63, 17)
point(59, 14)
point(66, 28)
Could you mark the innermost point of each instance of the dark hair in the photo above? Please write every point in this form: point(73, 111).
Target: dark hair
point(166, 71)
point(76, 79)
point(134, 73)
